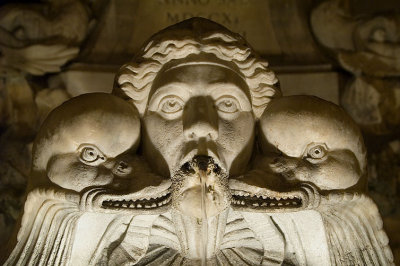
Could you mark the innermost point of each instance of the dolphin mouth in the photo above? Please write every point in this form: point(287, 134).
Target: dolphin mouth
point(267, 201)
point(150, 200)
point(126, 202)
point(247, 197)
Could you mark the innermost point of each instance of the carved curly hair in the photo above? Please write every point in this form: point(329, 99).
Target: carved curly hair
point(195, 36)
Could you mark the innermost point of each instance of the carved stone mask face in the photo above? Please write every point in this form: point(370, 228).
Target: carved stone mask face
point(199, 109)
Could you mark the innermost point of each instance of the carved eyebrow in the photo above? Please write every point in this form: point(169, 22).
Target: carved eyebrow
point(231, 89)
point(215, 87)
point(173, 88)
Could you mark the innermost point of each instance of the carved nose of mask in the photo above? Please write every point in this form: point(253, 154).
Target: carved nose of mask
point(200, 119)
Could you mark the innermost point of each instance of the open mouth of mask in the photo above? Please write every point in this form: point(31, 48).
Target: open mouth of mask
point(200, 185)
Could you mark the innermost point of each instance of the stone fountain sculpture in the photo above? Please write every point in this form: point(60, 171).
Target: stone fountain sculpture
point(227, 171)
point(367, 46)
point(39, 38)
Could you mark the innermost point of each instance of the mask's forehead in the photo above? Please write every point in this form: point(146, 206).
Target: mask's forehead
point(200, 78)
point(195, 40)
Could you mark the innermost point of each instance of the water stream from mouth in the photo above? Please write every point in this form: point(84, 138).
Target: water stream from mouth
point(204, 220)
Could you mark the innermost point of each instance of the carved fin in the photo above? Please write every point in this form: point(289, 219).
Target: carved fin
point(269, 235)
point(305, 237)
point(115, 229)
point(64, 226)
point(355, 232)
point(46, 228)
point(163, 232)
point(161, 255)
point(135, 241)
point(239, 246)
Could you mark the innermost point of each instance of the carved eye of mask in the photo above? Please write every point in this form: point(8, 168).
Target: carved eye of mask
point(316, 152)
point(90, 154)
point(171, 105)
point(227, 104)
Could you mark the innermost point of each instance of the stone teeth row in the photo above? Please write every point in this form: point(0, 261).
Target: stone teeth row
point(266, 204)
point(242, 193)
point(160, 196)
point(246, 194)
point(272, 204)
point(238, 202)
point(133, 205)
point(277, 197)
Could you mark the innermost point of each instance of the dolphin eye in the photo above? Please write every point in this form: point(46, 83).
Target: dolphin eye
point(90, 154)
point(317, 152)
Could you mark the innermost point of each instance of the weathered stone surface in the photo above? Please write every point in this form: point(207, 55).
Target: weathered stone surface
point(365, 42)
point(332, 26)
point(384, 177)
point(384, 187)
point(132, 22)
point(367, 45)
point(47, 99)
point(392, 223)
point(12, 191)
point(370, 64)
point(324, 85)
point(15, 147)
point(40, 38)
point(374, 103)
point(87, 81)
point(19, 109)
point(17, 128)
point(65, 21)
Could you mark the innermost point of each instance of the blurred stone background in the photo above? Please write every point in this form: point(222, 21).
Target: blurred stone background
point(344, 51)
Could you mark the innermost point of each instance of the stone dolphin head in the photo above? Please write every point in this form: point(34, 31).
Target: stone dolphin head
point(309, 146)
point(316, 142)
point(81, 142)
